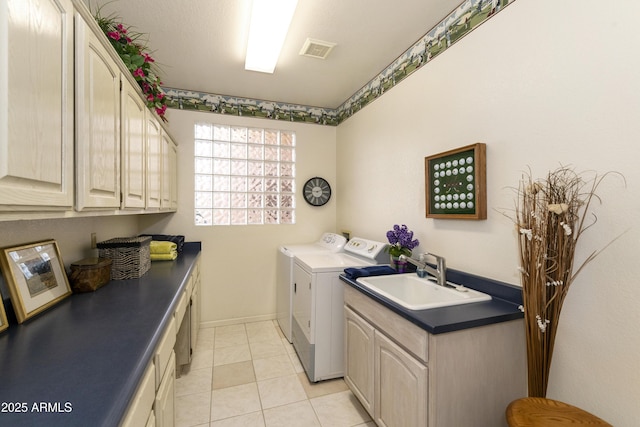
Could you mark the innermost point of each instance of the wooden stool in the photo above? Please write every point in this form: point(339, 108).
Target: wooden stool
point(541, 412)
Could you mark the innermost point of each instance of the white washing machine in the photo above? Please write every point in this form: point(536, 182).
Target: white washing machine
point(318, 299)
point(328, 243)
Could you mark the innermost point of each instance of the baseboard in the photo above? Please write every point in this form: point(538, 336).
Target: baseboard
point(227, 322)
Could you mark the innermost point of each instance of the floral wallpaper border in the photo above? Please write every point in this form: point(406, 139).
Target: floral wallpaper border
point(464, 19)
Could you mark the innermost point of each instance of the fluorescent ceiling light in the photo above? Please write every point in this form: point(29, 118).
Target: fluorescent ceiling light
point(270, 20)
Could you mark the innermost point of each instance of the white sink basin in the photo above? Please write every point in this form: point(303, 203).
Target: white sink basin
point(415, 293)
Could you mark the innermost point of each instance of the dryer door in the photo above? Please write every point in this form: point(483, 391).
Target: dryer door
point(284, 291)
point(302, 301)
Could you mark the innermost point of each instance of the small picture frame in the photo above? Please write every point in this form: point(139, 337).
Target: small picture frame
point(4, 323)
point(455, 183)
point(35, 276)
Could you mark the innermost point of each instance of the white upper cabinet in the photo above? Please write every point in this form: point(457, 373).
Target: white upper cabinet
point(173, 176)
point(76, 135)
point(169, 200)
point(154, 162)
point(97, 122)
point(36, 105)
point(133, 134)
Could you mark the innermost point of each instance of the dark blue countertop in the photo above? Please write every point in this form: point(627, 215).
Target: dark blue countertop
point(84, 357)
point(503, 306)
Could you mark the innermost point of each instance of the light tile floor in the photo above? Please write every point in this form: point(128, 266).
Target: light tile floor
point(249, 375)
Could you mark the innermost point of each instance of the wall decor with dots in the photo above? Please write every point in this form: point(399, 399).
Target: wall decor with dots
point(455, 183)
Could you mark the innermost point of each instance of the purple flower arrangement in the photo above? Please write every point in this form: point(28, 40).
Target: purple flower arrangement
point(401, 241)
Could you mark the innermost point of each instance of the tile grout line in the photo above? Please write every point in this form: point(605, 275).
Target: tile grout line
point(286, 355)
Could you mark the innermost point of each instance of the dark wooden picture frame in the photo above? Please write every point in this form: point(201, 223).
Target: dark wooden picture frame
point(455, 183)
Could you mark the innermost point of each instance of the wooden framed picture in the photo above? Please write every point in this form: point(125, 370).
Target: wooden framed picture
point(35, 277)
point(4, 323)
point(455, 183)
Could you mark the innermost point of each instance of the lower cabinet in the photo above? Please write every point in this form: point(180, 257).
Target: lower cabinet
point(154, 401)
point(405, 376)
point(389, 382)
point(182, 348)
point(164, 407)
point(188, 320)
point(359, 350)
point(195, 304)
point(151, 422)
point(153, 405)
point(141, 407)
point(400, 391)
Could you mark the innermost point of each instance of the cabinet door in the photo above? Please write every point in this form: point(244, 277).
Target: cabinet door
point(165, 397)
point(165, 201)
point(169, 181)
point(164, 352)
point(400, 386)
point(195, 307)
point(134, 168)
point(154, 162)
point(97, 122)
point(359, 358)
point(173, 176)
point(36, 104)
point(182, 347)
point(151, 422)
point(141, 406)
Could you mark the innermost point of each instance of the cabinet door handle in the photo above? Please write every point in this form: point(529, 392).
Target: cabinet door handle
point(295, 285)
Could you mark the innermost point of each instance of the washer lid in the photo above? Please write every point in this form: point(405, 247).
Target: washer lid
point(333, 242)
point(329, 242)
point(320, 262)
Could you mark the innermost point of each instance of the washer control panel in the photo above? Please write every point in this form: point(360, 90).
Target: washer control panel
point(366, 248)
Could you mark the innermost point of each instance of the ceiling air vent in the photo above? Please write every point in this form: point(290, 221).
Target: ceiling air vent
point(316, 48)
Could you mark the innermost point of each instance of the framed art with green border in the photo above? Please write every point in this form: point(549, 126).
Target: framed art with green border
point(35, 276)
point(455, 183)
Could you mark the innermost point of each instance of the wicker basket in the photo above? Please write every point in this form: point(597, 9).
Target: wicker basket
point(90, 274)
point(130, 256)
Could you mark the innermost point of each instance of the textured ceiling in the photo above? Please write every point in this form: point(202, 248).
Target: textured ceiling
point(200, 44)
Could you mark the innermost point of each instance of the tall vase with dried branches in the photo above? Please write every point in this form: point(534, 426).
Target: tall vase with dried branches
point(551, 216)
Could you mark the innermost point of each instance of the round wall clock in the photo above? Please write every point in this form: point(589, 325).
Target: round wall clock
point(316, 191)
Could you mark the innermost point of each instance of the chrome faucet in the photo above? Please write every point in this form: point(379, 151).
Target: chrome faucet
point(440, 272)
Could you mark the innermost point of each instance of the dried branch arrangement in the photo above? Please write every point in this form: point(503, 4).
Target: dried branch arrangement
point(551, 216)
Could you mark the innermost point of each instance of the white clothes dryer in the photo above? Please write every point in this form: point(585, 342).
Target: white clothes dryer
point(328, 243)
point(318, 300)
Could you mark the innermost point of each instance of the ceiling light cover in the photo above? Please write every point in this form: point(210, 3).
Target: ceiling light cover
point(270, 20)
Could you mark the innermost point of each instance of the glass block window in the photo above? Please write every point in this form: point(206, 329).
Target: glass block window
point(244, 175)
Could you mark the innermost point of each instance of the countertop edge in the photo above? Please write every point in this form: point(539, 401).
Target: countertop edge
point(132, 385)
point(451, 319)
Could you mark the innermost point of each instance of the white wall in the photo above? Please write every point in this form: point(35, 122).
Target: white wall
point(72, 234)
point(238, 267)
point(543, 83)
